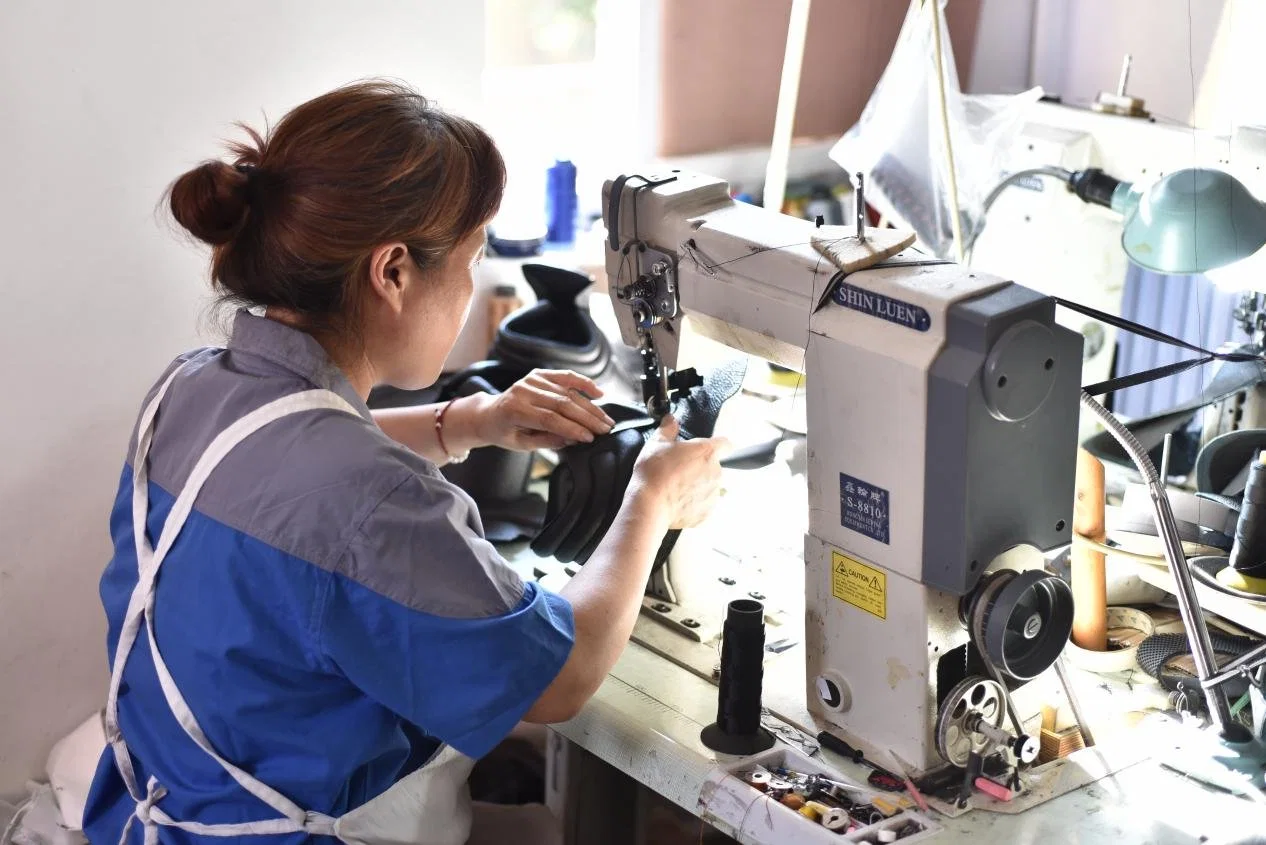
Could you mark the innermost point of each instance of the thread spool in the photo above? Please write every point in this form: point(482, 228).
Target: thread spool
point(1248, 553)
point(758, 780)
point(794, 801)
point(837, 820)
point(737, 729)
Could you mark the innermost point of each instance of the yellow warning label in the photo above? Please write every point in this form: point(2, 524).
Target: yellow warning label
point(862, 586)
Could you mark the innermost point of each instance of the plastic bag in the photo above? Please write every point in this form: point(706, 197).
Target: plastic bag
point(899, 140)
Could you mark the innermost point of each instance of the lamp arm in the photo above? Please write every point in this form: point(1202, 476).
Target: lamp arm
point(1046, 170)
point(1167, 528)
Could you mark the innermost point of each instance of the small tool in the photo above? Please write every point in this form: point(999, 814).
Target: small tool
point(881, 778)
point(903, 768)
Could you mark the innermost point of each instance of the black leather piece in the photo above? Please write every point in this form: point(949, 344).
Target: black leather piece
point(1225, 457)
point(587, 488)
point(556, 332)
point(580, 490)
point(614, 492)
point(698, 411)
point(568, 491)
point(497, 479)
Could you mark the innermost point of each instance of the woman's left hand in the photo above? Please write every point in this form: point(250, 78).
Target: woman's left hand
point(546, 409)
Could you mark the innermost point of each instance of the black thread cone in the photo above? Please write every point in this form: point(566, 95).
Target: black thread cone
point(737, 729)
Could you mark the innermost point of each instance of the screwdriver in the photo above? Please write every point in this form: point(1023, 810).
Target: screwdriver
point(880, 778)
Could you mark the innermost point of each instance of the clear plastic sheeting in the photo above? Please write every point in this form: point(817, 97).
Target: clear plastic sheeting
point(899, 140)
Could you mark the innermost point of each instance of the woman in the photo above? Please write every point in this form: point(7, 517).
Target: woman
point(335, 640)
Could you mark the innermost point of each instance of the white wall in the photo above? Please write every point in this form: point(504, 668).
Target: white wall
point(1079, 46)
point(1003, 51)
point(101, 105)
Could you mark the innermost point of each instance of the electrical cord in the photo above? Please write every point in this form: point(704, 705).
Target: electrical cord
point(1045, 170)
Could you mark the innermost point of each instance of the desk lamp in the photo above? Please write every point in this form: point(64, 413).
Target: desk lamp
point(1191, 221)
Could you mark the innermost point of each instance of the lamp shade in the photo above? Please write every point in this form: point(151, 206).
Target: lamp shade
point(1190, 221)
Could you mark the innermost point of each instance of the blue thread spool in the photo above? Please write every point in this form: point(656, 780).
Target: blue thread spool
point(561, 202)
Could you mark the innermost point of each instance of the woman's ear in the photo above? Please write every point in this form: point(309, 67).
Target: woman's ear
point(391, 271)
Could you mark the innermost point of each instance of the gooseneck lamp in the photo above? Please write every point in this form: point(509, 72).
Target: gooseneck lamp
point(1190, 221)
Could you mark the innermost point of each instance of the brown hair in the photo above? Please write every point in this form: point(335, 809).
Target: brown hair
point(293, 220)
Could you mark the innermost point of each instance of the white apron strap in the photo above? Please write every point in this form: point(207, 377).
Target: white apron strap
point(131, 620)
point(141, 610)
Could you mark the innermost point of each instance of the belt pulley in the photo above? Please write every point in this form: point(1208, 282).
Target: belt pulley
point(1020, 621)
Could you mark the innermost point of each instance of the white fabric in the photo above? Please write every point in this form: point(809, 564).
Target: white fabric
point(406, 814)
point(72, 765)
point(429, 807)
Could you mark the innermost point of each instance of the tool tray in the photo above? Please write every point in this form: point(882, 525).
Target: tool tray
point(741, 810)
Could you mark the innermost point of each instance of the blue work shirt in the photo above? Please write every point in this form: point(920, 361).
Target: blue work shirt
point(331, 610)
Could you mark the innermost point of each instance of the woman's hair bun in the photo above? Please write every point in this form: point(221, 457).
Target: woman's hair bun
point(211, 201)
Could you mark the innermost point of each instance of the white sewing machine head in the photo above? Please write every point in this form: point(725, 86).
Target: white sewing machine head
point(942, 431)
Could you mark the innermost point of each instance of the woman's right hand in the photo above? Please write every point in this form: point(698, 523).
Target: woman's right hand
point(682, 476)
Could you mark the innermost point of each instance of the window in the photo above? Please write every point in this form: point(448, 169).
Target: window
point(562, 80)
point(540, 32)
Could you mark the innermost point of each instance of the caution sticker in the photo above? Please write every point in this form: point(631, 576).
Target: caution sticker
point(862, 586)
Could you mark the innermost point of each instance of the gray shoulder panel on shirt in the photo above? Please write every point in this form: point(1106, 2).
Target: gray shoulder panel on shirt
point(329, 488)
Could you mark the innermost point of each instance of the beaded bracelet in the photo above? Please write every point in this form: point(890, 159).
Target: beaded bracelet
point(439, 435)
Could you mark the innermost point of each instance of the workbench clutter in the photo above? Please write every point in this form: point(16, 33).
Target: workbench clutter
point(1214, 540)
point(805, 801)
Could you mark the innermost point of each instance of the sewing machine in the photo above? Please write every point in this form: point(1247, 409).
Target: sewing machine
point(942, 422)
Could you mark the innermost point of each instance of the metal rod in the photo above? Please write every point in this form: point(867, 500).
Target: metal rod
point(1188, 601)
point(998, 735)
point(1071, 695)
point(1167, 527)
point(1165, 451)
point(1232, 669)
point(859, 205)
point(1125, 75)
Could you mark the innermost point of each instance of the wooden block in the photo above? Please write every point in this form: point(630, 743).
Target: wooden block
point(1089, 576)
point(839, 245)
point(1054, 745)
